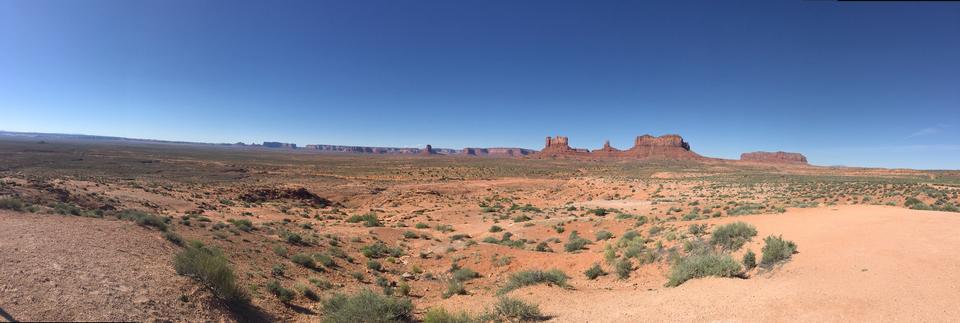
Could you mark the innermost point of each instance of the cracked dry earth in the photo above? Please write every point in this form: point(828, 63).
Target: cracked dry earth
point(65, 268)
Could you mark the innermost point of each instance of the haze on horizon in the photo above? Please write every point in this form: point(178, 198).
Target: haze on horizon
point(859, 84)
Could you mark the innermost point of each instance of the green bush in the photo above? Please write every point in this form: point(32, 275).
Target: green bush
point(533, 277)
point(144, 219)
point(173, 237)
point(369, 220)
point(380, 250)
point(454, 287)
point(303, 259)
point(594, 271)
point(624, 268)
point(604, 235)
point(242, 224)
point(374, 265)
point(732, 236)
point(495, 229)
point(465, 274)
point(702, 265)
point(211, 268)
point(775, 250)
point(440, 315)
point(325, 260)
point(749, 260)
point(283, 294)
point(575, 242)
point(515, 310)
point(11, 203)
point(366, 306)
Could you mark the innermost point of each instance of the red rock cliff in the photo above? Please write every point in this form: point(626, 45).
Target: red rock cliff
point(779, 157)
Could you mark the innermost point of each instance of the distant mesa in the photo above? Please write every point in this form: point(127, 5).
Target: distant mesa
point(778, 157)
point(645, 146)
point(274, 144)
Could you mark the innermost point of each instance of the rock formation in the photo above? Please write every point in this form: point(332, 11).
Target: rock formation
point(559, 146)
point(427, 151)
point(646, 146)
point(778, 157)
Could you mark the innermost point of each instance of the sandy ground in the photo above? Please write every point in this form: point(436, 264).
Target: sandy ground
point(855, 264)
point(67, 268)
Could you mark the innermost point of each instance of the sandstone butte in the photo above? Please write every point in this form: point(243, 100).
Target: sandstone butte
point(774, 157)
point(646, 146)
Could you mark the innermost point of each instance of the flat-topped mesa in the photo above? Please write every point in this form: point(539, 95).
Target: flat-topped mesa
point(778, 157)
point(559, 146)
point(663, 147)
point(662, 141)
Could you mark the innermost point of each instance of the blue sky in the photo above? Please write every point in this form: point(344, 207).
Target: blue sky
point(866, 84)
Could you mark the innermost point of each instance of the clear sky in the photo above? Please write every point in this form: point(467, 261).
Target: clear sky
point(852, 83)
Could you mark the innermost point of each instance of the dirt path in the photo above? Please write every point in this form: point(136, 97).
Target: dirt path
point(65, 268)
point(856, 264)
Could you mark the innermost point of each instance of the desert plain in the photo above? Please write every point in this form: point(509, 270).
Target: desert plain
point(128, 231)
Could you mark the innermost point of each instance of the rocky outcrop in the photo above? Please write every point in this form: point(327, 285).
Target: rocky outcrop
point(427, 151)
point(559, 146)
point(644, 147)
point(663, 147)
point(778, 157)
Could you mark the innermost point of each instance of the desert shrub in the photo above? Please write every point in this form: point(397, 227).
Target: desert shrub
point(292, 237)
point(366, 306)
point(624, 267)
point(278, 270)
point(495, 229)
point(283, 294)
point(369, 220)
point(303, 259)
point(594, 271)
point(575, 242)
point(749, 260)
point(454, 287)
point(465, 274)
point(374, 265)
point(543, 246)
point(421, 225)
point(308, 293)
point(410, 235)
point(775, 250)
point(599, 212)
point(321, 283)
point(746, 209)
point(144, 219)
point(697, 229)
point(173, 237)
point(325, 260)
point(441, 315)
point(380, 250)
point(604, 235)
point(515, 310)
point(702, 265)
point(11, 203)
point(533, 277)
point(211, 268)
point(280, 251)
point(732, 236)
point(242, 224)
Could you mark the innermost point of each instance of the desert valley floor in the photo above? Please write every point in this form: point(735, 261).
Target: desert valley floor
point(106, 231)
